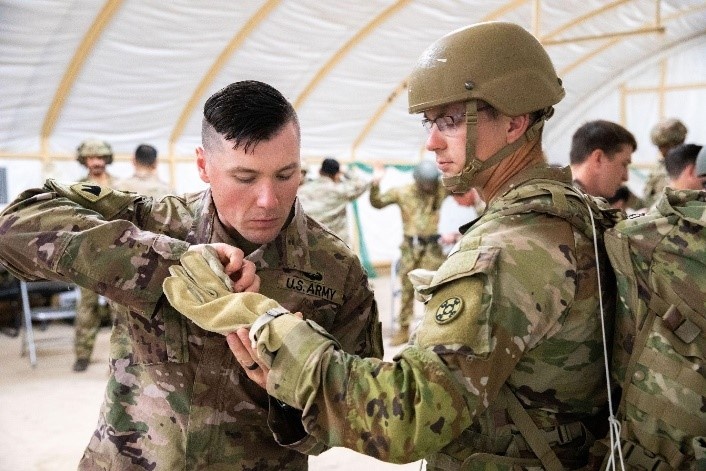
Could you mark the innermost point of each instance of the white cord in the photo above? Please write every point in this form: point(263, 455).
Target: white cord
point(613, 423)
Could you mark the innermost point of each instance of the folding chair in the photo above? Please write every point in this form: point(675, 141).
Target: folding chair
point(42, 314)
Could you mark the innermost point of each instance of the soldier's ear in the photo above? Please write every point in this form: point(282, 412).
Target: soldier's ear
point(202, 165)
point(597, 156)
point(516, 127)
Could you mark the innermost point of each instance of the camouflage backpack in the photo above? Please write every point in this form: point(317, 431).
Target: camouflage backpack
point(659, 260)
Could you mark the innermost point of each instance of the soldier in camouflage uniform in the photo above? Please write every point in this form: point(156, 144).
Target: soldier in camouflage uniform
point(506, 371)
point(420, 205)
point(145, 180)
point(666, 134)
point(176, 399)
point(601, 152)
point(326, 198)
point(91, 309)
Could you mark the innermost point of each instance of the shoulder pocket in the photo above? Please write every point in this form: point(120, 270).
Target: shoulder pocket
point(458, 310)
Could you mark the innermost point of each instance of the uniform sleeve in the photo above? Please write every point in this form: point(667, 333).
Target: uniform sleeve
point(474, 333)
point(353, 187)
point(378, 200)
point(90, 236)
point(359, 331)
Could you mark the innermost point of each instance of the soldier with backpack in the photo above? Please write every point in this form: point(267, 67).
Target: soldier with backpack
point(506, 371)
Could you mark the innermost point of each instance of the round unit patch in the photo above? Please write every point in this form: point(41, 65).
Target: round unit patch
point(448, 310)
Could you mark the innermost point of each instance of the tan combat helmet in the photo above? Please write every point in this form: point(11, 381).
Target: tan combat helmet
point(497, 62)
point(668, 133)
point(94, 148)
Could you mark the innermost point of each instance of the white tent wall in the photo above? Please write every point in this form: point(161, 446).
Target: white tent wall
point(134, 72)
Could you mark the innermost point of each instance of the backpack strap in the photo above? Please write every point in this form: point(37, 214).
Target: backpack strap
point(529, 430)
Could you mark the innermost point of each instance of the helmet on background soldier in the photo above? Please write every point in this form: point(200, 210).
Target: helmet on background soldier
point(668, 133)
point(94, 148)
point(499, 63)
point(426, 176)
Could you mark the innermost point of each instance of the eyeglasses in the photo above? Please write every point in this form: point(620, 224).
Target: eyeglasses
point(449, 124)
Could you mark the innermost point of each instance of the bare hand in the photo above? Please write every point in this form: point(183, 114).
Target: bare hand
point(378, 172)
point(450, 238)
point(239, 344)
point(241, 271)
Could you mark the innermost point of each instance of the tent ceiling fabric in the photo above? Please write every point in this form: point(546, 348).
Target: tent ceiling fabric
point(139, 71)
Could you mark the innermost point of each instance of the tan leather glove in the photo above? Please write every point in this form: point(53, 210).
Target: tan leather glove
point(200, 289)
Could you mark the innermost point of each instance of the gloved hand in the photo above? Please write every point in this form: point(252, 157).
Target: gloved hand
point(269, 331)
point(200, 289)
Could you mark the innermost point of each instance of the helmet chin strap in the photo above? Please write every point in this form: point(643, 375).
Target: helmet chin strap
point(464, 181)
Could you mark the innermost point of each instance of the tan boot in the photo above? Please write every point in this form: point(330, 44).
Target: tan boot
point(401, 336)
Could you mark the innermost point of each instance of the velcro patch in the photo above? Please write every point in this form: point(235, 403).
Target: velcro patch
point(90, 191)
point(448, 310)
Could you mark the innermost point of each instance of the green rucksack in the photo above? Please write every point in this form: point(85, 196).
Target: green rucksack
point(659, 352)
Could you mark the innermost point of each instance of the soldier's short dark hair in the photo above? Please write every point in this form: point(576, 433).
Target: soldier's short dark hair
point(246, 113)
point(145, 154)
point(330, 167)
point(607, 136)
point(679, 157)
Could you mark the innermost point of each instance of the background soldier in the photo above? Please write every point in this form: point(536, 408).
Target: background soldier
point(92, 310)
point(680, 165)
point(420, 205)
point(506, 370)
point(601, 152)
point(666, 134)
point(145, 180)
point(326, 198)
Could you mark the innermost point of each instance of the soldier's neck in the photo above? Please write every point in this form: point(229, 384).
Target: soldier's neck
point(220, 234)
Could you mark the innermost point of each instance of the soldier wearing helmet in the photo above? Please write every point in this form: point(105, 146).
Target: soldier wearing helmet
point(420, 205)
point(506, 369)
point(92, 309)
point(665, 135)
point(95, 155)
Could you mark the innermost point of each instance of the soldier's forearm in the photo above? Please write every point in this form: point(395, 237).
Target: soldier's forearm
point(43, 235)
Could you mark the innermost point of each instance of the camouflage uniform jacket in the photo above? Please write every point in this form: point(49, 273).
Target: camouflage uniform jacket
point(144, 184)
point(87, 179)
point(655, 183)
point(420, 211)
point(326, 200)
point(515, 304)
point(176, 398)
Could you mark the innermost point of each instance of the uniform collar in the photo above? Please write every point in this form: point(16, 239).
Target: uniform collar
point(289, 249)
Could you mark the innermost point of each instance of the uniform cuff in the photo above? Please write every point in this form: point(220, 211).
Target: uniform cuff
point(296, 369)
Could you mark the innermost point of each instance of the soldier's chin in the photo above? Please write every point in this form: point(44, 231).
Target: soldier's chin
point(262, 235)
